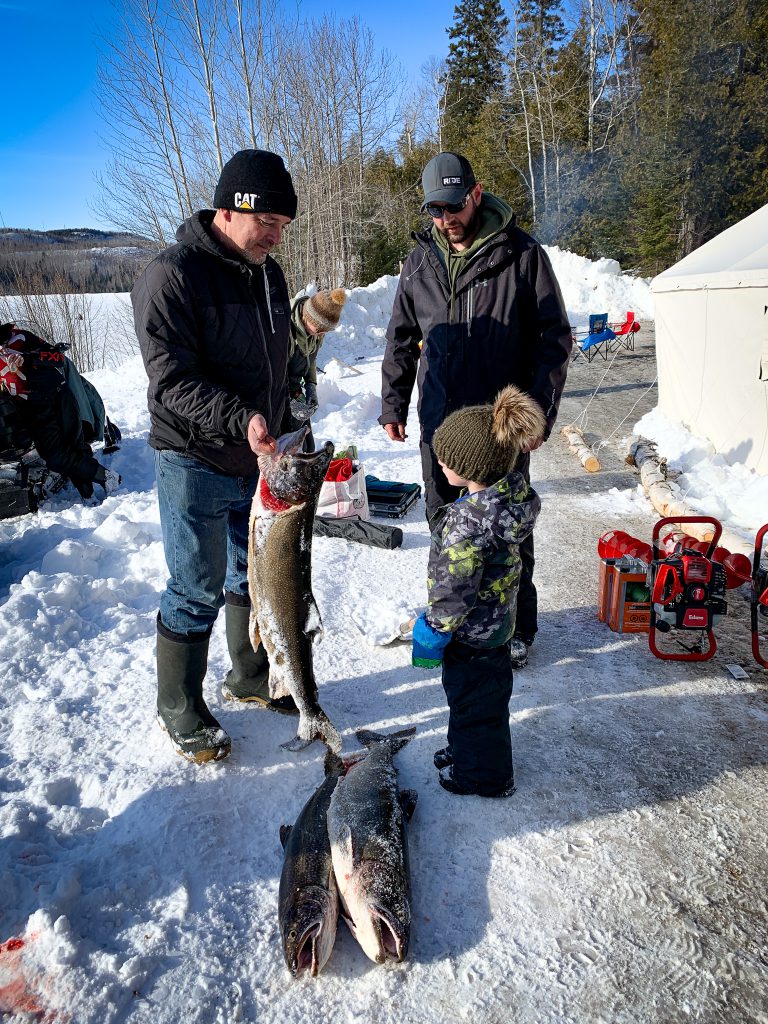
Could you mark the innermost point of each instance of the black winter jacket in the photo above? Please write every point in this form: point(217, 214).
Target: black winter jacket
point(214, 334)
point(508, 326)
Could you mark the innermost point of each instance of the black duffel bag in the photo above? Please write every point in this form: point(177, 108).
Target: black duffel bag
point(360, 530)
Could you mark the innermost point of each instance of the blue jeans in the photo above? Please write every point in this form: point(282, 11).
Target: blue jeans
point(204, 518)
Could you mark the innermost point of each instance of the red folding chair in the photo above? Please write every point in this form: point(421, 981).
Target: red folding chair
point(625, 333)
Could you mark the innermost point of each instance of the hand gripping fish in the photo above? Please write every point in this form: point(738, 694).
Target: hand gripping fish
point(284, 616)
point(308, 903)
point(369, 847)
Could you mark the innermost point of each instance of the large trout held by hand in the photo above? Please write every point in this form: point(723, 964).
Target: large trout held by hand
point(284, 616)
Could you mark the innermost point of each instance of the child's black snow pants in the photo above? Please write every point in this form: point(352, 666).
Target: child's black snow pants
point(478, 684)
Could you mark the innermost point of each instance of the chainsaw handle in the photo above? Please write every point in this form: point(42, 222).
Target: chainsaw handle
point(664, 575)
point(689, 519)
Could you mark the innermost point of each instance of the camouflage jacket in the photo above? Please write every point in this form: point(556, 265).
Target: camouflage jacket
point(474, 562)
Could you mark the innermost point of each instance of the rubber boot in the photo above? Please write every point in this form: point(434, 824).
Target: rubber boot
point(248, 679)
point(181, 710)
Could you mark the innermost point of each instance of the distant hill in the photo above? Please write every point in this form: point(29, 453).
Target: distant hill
point(70, 259)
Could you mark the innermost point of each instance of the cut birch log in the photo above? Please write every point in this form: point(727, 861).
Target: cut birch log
point(665, 495)
point(579, 447)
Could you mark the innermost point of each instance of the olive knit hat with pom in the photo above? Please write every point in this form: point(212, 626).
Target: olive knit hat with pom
point(482, 442)
point(324, 309)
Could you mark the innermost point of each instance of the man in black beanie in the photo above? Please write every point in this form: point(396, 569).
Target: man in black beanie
point(212, 316)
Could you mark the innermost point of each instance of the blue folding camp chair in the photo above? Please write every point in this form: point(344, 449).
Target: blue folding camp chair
point(598, 339)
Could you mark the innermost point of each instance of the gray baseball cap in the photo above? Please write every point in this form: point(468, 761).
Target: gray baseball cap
point(446, 179)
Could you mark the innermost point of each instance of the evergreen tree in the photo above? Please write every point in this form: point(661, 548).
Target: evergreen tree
point(702, 124)
point(474, 71)
point(393, 208)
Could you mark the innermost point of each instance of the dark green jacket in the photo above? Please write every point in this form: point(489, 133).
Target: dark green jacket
point(302, 361)
point(492, 317)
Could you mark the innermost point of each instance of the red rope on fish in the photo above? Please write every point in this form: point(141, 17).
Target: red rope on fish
point(269, 501)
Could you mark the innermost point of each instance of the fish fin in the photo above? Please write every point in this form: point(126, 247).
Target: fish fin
point(253, 630)
point(297, 744)
point(313, 627)
point(407, 799)
point(318, 726)
point(353, 852)
point(394, 740)
point(285, 833)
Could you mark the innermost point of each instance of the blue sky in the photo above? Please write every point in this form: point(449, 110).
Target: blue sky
point(49, 145)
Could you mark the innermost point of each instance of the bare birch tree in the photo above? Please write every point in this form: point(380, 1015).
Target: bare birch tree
point(192, 81)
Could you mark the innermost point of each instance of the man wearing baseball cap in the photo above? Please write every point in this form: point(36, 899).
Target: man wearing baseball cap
point(212, 316)
point(477, 308)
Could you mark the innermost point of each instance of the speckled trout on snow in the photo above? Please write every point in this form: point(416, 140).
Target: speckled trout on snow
point(369, 848)
point(308, 903)
point(284, 615)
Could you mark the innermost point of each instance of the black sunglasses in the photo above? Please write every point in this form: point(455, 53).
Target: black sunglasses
point(438, 212)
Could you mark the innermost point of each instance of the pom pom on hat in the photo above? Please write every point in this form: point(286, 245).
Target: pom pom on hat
point(482, 442)
point(324, 309)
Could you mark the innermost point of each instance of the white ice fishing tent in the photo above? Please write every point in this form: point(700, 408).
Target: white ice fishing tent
point(712, 341)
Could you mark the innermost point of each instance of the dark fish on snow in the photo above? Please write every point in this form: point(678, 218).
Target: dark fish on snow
point(369, 847)
point(308, 908)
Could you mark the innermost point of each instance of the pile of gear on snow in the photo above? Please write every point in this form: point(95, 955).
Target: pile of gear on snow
point(49, 417)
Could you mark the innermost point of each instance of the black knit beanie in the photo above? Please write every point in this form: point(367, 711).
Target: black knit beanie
point(256, 181)
point(482, 442)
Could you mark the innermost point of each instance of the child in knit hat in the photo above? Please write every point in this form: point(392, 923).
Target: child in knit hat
point(311, 318)
point(473, 579)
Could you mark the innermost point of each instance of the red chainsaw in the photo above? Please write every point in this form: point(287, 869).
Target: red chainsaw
point(759, 595)
point(687, 592)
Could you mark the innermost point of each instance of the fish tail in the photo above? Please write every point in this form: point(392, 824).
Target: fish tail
point(333, 763)
point(394, 740)
point(317, 726)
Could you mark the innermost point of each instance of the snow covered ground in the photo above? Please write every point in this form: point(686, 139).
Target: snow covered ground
point(624, 882)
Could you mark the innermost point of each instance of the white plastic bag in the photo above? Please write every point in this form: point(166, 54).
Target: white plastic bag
point(340, 499)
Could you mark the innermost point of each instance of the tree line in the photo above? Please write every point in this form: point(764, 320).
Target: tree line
point(73, 260)
point(633, 129)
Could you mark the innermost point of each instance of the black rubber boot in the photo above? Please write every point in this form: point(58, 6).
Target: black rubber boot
point(181, 710)
point(248, 679)
point(446, 780)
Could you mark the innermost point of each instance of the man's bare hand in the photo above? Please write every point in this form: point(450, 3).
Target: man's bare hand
point(395, 431)
point(533, 445)
point(259, 437)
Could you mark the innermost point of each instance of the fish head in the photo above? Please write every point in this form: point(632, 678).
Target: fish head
point(309, 930)
point(378, 911)
point(294, 476)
